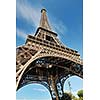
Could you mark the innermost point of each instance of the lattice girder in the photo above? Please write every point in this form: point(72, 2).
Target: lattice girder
point(42, 57)
point(45, 60)
point(54, 60)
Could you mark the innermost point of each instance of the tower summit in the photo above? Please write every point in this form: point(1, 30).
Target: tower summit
point(44, 21)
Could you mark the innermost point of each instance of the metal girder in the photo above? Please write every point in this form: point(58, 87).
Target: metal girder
point(45, 60)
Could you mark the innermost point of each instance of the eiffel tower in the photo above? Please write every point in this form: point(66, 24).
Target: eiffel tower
point(45, 60)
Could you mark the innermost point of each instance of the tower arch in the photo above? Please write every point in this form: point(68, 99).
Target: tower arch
point(44, 58)
point(34, 90)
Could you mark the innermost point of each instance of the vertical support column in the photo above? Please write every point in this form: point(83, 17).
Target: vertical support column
point(60, 90)
point(59, 86)
point(53, 89)
point(54, 86)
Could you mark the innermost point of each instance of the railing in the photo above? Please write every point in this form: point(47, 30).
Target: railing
point(35, 77)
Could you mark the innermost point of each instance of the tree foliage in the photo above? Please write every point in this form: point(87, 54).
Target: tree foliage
point(80, 93)
point(66, 96)
point(69, 96)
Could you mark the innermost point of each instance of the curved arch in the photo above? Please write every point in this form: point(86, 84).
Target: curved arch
point(38, 55)
point(73, 81)
point(71, 76)
point(33, 88)
point(36, 82)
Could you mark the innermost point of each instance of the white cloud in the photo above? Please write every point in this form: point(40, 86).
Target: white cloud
point(27, 12)
point(32, 15)
point(21, 33)
point(58, 26)
point(40, 90)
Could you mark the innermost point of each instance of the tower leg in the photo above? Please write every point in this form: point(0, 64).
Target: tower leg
point(53, 88)
point(60, 90)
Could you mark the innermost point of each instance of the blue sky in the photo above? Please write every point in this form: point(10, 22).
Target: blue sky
point(65, 18)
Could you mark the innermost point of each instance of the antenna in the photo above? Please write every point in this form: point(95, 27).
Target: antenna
point(69, 84)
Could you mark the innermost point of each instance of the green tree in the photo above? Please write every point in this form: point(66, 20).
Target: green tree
point(74, 98)
point(66, 96)
point(80, 93)
point(70, 96)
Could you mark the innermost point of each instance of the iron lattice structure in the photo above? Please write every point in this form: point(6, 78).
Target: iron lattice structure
point(45, 60)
